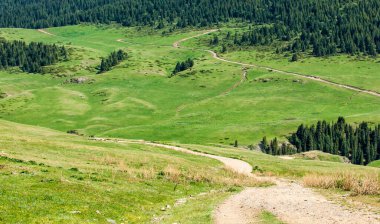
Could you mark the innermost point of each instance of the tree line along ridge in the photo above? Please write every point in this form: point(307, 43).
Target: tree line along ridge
point(325, 26)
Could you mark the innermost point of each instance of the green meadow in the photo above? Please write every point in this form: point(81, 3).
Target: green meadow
point(137, 100)
point(52, 177)
point(49, 176)
point(359, 70)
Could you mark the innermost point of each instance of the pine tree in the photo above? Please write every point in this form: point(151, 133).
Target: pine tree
point(264, 144)
point(295, 57)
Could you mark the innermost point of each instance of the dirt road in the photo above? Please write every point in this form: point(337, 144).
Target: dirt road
point(177, 44)
point(233, 164)
point(289, 201)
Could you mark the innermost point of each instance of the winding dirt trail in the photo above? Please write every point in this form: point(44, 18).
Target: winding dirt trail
point(177, 44)
point(289, 201)
point(233, 164)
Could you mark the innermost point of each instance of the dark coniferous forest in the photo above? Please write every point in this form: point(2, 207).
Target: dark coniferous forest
point(361, 143)
point(324, 26)
point(30, 57)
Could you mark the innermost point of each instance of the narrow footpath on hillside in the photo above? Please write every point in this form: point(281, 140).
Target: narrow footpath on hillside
point(287, 200)
point(177, 44)
point(225, 92)
point(45, 32)
point(236, 85)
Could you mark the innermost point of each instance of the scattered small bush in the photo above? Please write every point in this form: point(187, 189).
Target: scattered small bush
point(74, 132)
point(74, 169)
point(77, 177)
point(31, 162)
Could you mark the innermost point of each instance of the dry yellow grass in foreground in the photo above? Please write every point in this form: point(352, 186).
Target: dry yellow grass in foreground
point(359, 185)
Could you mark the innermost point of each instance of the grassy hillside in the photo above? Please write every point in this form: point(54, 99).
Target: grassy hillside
point(137, 99)
point(50, 177)
point(375, 164)
point(322, 156)
point(359, 70)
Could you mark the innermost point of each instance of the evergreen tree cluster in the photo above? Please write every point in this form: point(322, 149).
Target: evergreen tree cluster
point(274, 148)
point(182, 66)
point(30, 57)
point(112, 60)
point(361, 144)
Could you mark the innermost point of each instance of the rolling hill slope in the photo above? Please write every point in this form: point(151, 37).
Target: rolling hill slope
point(137, 100)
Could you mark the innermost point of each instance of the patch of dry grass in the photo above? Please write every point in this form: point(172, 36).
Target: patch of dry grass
point(225, 176)
point(359, 185)
point(175, 173)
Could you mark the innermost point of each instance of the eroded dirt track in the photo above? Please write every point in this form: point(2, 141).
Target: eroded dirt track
point(291, 203)
point(288, 200)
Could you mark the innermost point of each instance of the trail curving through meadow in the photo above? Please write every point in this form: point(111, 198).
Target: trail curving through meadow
point(177, 44)
point(287, 200)
point(236, 165)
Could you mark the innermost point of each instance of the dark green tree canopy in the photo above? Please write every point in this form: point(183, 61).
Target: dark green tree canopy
point(361, 144)
point(182, 66)
point(325, 26)
point(30, 57)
